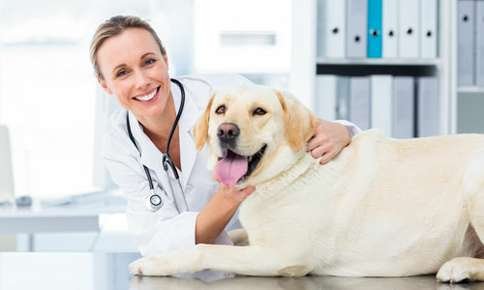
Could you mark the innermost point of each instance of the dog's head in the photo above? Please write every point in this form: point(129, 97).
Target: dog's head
point(253, 133)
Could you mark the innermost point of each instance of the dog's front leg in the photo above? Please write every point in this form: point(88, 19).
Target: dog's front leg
point(249, 260)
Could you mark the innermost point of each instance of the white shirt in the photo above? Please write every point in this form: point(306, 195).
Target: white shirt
point(166, 229)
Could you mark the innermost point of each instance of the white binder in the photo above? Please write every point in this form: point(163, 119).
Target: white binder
point(381, 103)
point(480, 43)
point(359, 104)
point(403, 118)
point(466, 58)
point(428, 32)
point(325, 103)
point(390, 28)
point(331, 28)
point(428, 114)
point(409, 30)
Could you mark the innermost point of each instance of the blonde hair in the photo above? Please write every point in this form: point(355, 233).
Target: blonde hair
point(113, 27)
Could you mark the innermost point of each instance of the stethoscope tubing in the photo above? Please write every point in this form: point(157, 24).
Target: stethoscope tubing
point(155, 201)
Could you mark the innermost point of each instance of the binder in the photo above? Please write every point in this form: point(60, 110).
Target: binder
point(403, 107)
point(374, 35)
point(359, 105)
point(428, 112)
point(465, 42)
point(390, 28)
point(356, 25)
point(381, 103)
point(331, 28)
point(428, 33)
point(480, 43)
point(343, 98)
point(409, 28)
point(326, 94)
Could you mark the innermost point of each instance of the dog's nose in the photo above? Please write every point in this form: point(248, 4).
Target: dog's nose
point(228, 132)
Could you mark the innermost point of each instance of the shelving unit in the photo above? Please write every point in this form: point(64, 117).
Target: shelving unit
point(305, 65)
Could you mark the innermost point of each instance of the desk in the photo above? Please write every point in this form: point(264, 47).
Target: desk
point(54, 219)
point(101, 271)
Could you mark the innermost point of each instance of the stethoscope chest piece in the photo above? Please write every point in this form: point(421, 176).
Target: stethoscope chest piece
point(154, 202)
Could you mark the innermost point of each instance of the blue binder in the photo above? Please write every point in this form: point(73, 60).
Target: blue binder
point(374, 28)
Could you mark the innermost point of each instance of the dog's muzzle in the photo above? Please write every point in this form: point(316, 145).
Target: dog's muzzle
point(227, 134)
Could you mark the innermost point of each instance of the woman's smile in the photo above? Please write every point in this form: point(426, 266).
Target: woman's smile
point(150, 97)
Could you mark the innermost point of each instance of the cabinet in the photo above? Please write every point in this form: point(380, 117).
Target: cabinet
point(306, 65)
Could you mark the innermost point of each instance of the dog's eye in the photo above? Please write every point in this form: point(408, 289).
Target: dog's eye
point(220, 110)
point(259, 111)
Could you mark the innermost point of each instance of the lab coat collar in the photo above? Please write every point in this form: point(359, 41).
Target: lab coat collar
point(188, 153)
point(151, 156)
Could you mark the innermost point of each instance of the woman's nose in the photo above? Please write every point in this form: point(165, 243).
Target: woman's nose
point(142, 80)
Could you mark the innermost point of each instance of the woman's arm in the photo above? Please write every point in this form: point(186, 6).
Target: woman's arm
point(215, 215)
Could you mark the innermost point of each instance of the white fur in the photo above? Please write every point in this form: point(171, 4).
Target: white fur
point(383, 207)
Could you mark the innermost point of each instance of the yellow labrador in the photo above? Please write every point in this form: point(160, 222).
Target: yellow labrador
point(383, 207)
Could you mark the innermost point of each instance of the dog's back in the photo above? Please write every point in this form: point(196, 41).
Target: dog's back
point(384, 207)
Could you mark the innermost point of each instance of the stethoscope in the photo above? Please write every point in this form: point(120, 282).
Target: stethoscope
point(154, 201)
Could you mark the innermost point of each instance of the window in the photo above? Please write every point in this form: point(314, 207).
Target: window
point(48, 93)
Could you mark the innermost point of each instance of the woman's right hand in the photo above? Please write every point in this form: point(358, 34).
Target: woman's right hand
point(233, 195)
point(215, 215)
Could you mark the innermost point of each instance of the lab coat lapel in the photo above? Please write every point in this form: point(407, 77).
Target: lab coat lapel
point(150, 155)
point(188, 153)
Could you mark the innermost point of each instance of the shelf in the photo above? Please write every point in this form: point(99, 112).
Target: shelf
point(379, 61)
point(471, 90)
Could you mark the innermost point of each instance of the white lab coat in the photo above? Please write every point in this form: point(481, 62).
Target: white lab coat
point(166, 229)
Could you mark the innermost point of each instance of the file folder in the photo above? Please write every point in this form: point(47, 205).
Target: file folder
point(480, 43)
point(343, 98)
point(403, 107)
point(428, 33)
point(409, 30)
point(326, 94)
point(390, 28)
point(331, 28)
point(356, 17)
point(465, 42)
point(374, 35)
point(381, 103)
point(359, 105)
point(428, 113)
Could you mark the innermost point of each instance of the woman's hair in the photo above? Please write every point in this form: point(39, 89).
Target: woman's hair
point(115, 26)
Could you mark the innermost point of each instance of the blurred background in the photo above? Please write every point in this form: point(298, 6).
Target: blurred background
point(410, 68)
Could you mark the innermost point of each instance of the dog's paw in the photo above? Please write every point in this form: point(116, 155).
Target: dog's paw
point(147, 266)
point(136, 267)
point(456, 270)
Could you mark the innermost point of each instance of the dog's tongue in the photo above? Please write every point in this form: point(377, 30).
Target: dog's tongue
point(230, 169)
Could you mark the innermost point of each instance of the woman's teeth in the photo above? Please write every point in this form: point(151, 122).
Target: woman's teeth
point(147, 97)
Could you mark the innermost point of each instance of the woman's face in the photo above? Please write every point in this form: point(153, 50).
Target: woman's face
point(135, 71)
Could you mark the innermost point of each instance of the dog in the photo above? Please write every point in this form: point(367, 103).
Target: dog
point(382, 208)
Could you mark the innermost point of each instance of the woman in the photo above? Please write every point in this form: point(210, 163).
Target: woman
point(131, 63)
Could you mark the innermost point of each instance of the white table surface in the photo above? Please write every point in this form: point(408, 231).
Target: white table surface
point(101, 271)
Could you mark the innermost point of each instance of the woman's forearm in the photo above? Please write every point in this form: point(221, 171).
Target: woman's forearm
point(213, 218)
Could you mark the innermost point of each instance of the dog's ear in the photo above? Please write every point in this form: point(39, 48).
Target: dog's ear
point(299, 122)
point(200, 131)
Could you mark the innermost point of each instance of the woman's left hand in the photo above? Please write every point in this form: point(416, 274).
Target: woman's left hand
point(330, 138)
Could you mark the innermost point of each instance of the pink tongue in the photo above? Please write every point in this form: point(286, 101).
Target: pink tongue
point(229, 170)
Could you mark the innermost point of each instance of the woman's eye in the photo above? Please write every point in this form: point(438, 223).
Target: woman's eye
point(150, 61)
point(259, 111)
point(121, 73)
point(220, 110)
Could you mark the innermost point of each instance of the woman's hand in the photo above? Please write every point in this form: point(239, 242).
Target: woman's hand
point(215, 215)
point(330, 138)
point(232, 195)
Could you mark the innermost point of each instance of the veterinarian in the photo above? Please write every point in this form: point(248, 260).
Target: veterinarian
point(173, 201)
